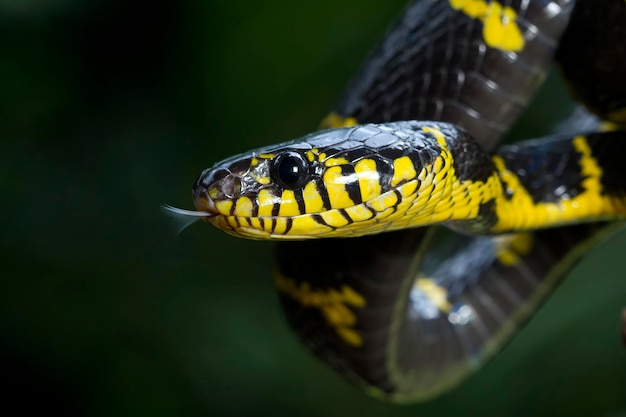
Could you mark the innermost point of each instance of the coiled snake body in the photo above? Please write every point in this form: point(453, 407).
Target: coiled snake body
point(409, 145)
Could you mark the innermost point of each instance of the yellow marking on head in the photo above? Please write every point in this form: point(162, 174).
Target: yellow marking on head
point(313, 202)
point(256, 223)
point(315, 155)
point(224, 206)
point(335, 186)
point(331, 162)
point(305, 225)
point(266, 155)
point(439, 164)
point(260, 179)
point(332, 303)
point(254, 162)
point(383, 215)
point(436, 294)
point(383, 202)
point(500, 29)
point(243, 207)
point(403, 170)
point(288, 204)
point(266, 201)
point(369, 179)
point(509, 248)
point(334, 218)
point(359, 213)
point(438, 134)
point(281, 225)
point(334, 120)
point(214, 193)
point(522, 213)
point(232, 222)
point(409, 188)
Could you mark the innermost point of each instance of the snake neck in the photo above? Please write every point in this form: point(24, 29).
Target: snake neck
point(519, 196)
point(512, 193)
point(590, 188)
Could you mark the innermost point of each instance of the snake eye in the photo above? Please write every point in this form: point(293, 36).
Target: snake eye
point(290, 170)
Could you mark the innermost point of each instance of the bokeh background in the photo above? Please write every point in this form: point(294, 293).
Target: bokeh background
point(109, 109)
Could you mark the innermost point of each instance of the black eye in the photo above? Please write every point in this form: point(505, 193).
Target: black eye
point(290, 170)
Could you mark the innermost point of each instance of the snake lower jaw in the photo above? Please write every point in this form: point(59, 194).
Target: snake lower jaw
point(202, 202)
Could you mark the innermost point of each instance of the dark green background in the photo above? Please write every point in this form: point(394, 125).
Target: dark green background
point(111, 108)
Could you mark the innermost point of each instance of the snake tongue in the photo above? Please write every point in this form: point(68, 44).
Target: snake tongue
point(183, 218)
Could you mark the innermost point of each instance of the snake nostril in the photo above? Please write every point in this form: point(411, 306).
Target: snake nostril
point(217, 185)
point(212, 185)
point(231, 186)
point(226, 188)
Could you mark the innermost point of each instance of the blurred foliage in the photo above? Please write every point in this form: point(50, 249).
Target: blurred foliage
point(110, 109)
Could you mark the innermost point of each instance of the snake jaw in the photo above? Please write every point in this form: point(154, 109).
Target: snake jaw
point(203, 202)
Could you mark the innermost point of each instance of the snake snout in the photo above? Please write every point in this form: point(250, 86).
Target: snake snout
point(213, 186)
point(202, 201)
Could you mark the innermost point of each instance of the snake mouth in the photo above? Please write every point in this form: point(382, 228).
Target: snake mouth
point(205, 209)
point(204, 203)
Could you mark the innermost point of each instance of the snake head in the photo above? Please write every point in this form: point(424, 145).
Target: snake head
point(261, 194)
point(340, 182)
point(232, 187)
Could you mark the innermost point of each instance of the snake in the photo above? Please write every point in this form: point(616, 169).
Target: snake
point(410, 247)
